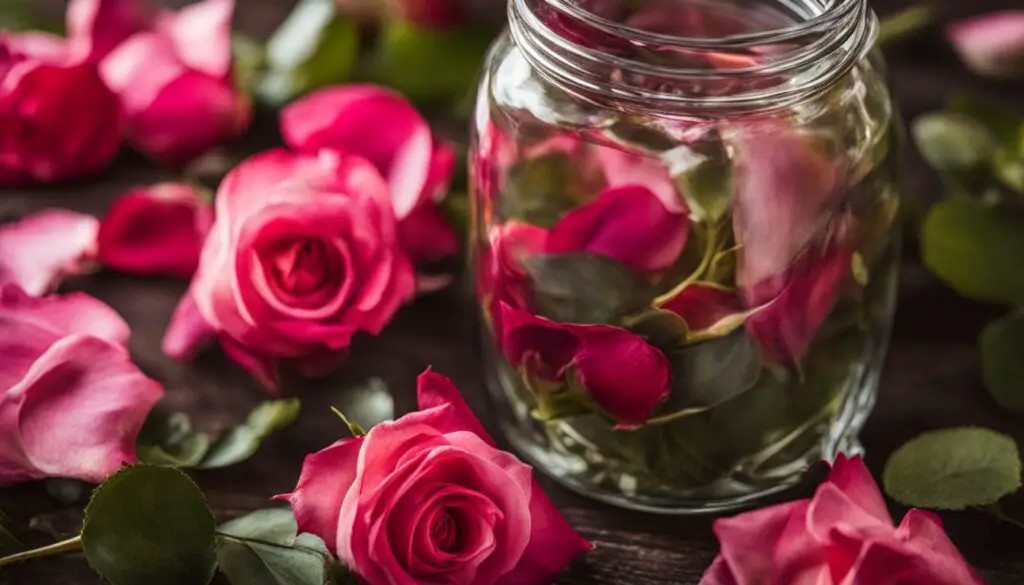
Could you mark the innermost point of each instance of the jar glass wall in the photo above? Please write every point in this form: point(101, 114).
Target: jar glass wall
point(684, 241)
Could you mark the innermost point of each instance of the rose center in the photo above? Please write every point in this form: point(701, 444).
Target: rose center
point(444, 532)
point(302, 266)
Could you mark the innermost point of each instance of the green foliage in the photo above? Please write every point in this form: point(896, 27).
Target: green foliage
point(262, 548)
point(244, 440)
point(1002, 361)
point(150, 524)
point(584, 288)
point(953, 469)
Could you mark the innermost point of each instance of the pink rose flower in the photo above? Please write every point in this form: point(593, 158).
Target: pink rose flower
point(302, 255)
point(991, 44)
point(38, 251)
point(172, 71)
point(842, 536)
point(383, 127)
point(155, 230)
point(58, 120)
point(71, 401)
point(429, 498)
point(622, 373)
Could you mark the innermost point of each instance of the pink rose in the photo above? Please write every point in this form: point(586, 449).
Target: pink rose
point(430, 499)
point(302, 255)
point(991, 44)
point(58, 120)
point(37, 252)
point(842, 536)
point(71, 401)
point(383, 127)
point(622, 373)
point(155, 230)
point(172, 71)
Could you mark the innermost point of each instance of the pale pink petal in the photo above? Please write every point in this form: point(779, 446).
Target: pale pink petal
point(82, 405)
point(202, 35)
point(46, 47)
point(96, 27)
point(139, 69)
point(71, 314)
point(624, 168)
point(830, 508)
point(188, 330)
point(41, 249)
point(157, 230)
point(991, 44)
point(852, 478)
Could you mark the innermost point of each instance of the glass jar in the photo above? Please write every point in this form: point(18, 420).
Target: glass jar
point(684, 241)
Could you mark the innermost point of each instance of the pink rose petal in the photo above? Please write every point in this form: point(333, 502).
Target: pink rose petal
point(96, 27)
point(991, 44)
point(702, 306)
point(426, 235)
point(188, 330)
point(71, 314)
point(202, 35)
point(37, 252)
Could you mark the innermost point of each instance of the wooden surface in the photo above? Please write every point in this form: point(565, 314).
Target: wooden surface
point(931, 378)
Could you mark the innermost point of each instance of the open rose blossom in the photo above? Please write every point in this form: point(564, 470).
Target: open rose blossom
point(71, 401)
point(383, 127)
point(156, 230)
point(171, 70)
point(991, 44)
point(303, 254)
point(842, 536)
point(58, 120)
point(429, 499)
point(627, 377)
point(39, 250)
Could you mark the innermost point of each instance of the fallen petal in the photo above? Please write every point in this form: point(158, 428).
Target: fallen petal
point(991, 44)
point(37, 252)
point(188, 331)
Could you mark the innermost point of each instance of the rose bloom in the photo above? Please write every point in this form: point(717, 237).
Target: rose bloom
point(71, 401)
point(58, 120)
point(303, 254)
point(429, 499)
point(842, 536)
point(171, 70)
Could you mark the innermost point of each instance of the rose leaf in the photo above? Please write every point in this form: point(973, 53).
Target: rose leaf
point(953, 142)
point(1002, 345)
point(704, 181)
point(584, 288)
point(539, 190)
point(709, 373)
point(150, 524)
point(976, 248)
point(167, 438)
point(952, 469)
point(262, 548)
point(243, 441)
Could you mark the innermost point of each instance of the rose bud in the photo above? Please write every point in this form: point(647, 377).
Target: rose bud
point(71, 400)
point(58, 120)
point(302, 255)
point(430, 498)
point(171, 71)
point(842, 536)
point(157, 230)
point(991, 44)
point(38, 251)
point(386, 129)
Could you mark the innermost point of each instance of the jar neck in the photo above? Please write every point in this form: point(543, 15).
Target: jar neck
point(693, 57)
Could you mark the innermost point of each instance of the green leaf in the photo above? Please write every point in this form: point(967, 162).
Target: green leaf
point(314, 47)
point(1009, 160)
point(168, 438)
point(1002, 366)
point(952, 469)
point(261, 548)
point(1003, 123)
point(705, 181)
point(659, 328)
point(429, 66)
point(150, 524)
point(584, 288)
point(244, 440)
point(953, 142)
point(541, 190)
point(250, 61)
point(9, 544)
point(976, 249)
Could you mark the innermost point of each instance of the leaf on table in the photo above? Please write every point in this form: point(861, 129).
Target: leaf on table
point(953, 142)
point(952, 469)
point(429, 66)
point(314, 47)
point(244, 440)
point(976, 249)
point(150, 524)
point(168, 438)
point(584, 288)
point(9, 544)
point(1002, 361)
point(262, 548)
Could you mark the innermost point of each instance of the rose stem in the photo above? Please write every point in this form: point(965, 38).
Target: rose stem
point(57, 548)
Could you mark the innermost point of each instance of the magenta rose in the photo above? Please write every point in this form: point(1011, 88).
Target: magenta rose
point(71, 401)
point(991, 44)
point(627, 377)
point(383, 127)
point(58, 120)
point(155, 230)
point(171, 70)
point(38, 251)
point(842, 536)
point(303, 254)
point(430, 499)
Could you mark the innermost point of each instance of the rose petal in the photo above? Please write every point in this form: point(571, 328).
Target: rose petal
point(924, 530)
point(749, 541)
point(434, 390)
point(140, 68)
point(155, 230)
point(40, 45)
point(625, 375)
point(523, 334)
point(426, 235)
point(39, 250)
point(629, 224)
point(202, 35)
point(702, 306)
point(624, 168)
point(554, 543)
point(80, 408)
point(852, 477)
point(71, 314)
point(96, 27)
point(718, 573)
point(188, 330)
point(990, 44)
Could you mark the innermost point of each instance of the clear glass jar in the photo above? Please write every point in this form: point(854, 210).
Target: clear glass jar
point(684, 239)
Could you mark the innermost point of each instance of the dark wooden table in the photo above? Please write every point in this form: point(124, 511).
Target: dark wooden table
point(931, 378)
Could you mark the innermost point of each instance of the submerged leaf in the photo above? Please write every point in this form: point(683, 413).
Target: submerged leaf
point(707, 374)
point(584, 288)
point(539, 190)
